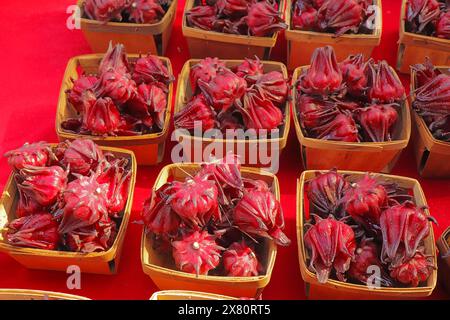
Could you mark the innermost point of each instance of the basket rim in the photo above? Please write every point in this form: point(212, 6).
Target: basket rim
point(188, 294)
point(62, 103)
point(271, 250)
point(50, 294)
point(12, 249)
point(309, 276)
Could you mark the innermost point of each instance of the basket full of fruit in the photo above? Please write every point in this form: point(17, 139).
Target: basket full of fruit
point(212, 227)
point(430, 101)
point(350, 26)
point(243, 104)
point(231, 29)
point(364, 236)
point(350, 115)
point(67, 204)
point(117, 100)
point(141, 25)
point(424, 32)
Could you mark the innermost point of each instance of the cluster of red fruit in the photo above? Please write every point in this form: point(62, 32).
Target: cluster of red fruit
point(428, 17)
point(366, 223)
point(71, 197)
point(213, 211)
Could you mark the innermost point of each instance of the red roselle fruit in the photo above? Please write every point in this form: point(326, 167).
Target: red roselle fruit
point(26, 204)
point(223, 90)
point(150, 98)
point(364, 201)
point(259, 112)
point(205, 69)
point(39, 231)
point(325, 192)
point(250, 69)
point(273, 86)
point(105, 10)
point(36, 154)
point(43, 184)
point(97, 237)
point(304, 18)
point(145, 11)
point(315, 112)
point(151, 69)
point(159, 217)
point(414, 271)
point(419, 13)
point(196, 253)
point(263, 19)
point(114, 59)
point(403, 227)
point(354, 74)
point(230, 121)
point(366, 257)
point(80, 86)
point(377, 121)
point(259, 213)
point(443, 26)
point(425, 72)
point(434, 97)
point(81, 155)
point(342, 128)
point(341, 16)
point(101, 116)
point(84, 202)
point(116, 175)
point(385, 85)
point(332, 245)
point(323, 77)
point(202, 17)
point(196, 112)
point(232, 7)
point(239, 260)
point(195, 200)
point(117, 86)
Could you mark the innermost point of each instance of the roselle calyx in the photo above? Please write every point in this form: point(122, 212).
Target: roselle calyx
point(101, 116)
point(385, 85)
point(325, 192)
point(259, 112)
point(251, 70)
point(272, 86)
point(443, 26)
point(314, 112)
point(197, 112)
point(196, 253)
point(263, 19)
point(37, 154)
point(145, 11)
point(377, 121)
point(323, 77)
point(259, 213)
point(83, 203)
point(202, 17)
point(42, 184)
point(425, 72)
point(115, 58)
point(305, 18)
point(340, 16)
point(404, 227)
point(232, 7)
point(81, 155)
point(414, 271)
point(105, 10)
point(223, 90)
point(195, 200)
point(80, 86)
point(354, 74)
point(205, 69)
point(364, 201)
point(239, 260)
point(151, 69)
point(342, 128)
point(39, 231)
point(433, 98)
point(115, 85)
point(421, 13)
point(332, 246)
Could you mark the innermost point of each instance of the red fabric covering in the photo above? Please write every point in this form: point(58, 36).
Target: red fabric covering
point(36, 46)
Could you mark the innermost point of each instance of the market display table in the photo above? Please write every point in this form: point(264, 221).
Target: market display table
point(35, 47)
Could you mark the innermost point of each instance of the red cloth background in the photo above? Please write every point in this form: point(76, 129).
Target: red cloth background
point(35, 46)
